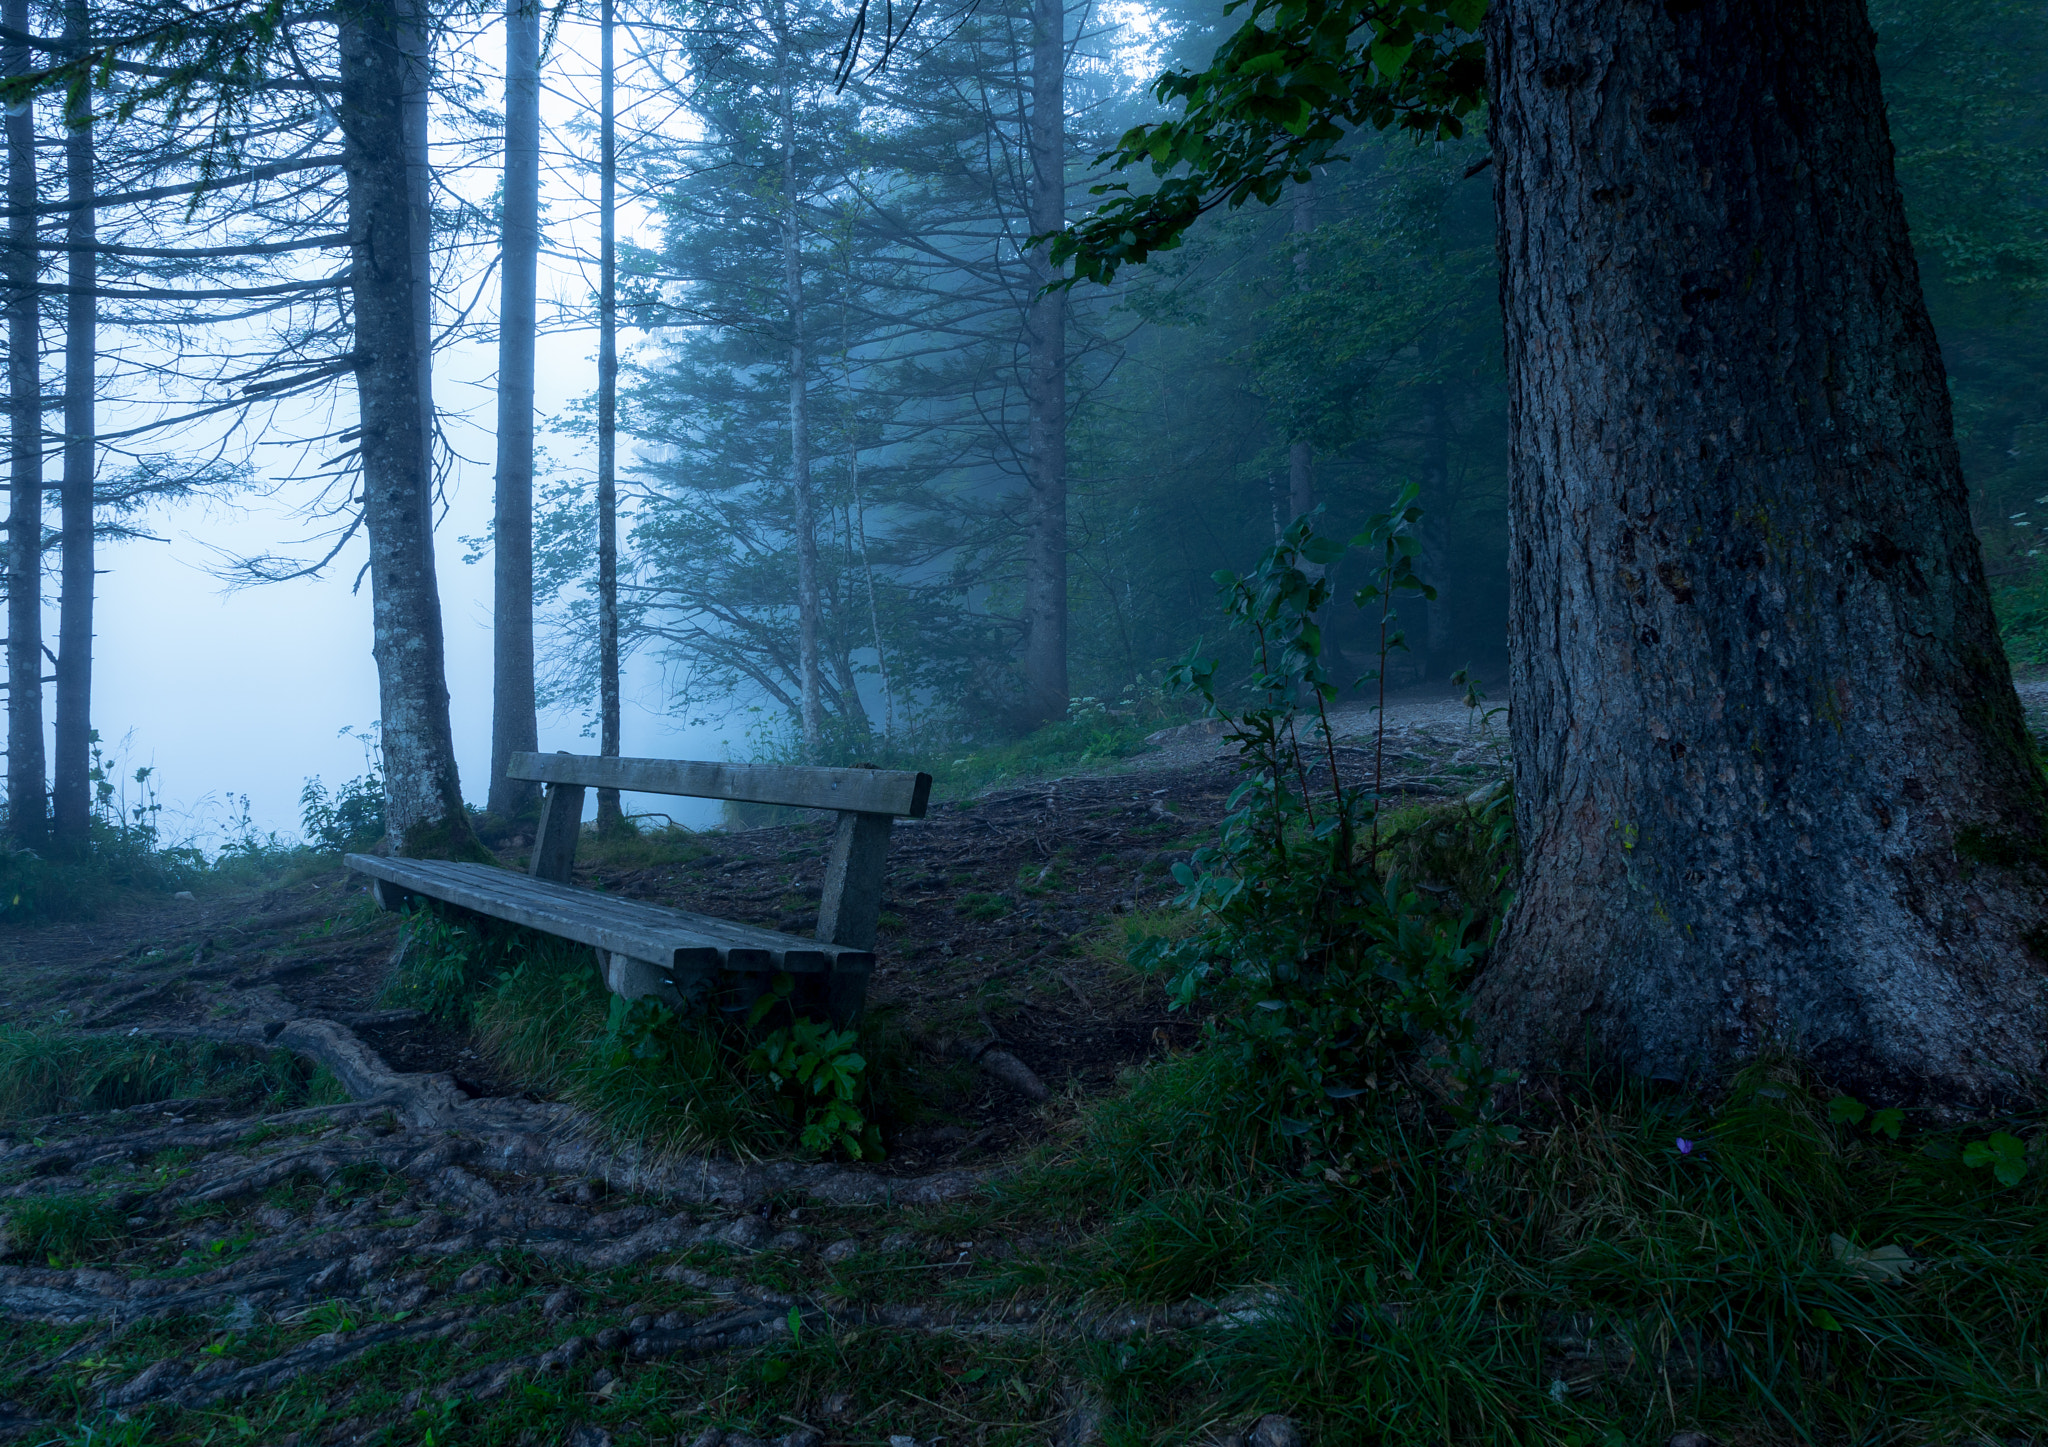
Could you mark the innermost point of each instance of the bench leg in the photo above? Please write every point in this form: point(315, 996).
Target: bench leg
point(390, 896)
point(846, 992)
point(554, 842)
point(852, 896)
point(639, 979)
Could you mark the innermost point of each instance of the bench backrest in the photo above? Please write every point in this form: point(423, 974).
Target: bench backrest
point(896, 792)
point(868, 802)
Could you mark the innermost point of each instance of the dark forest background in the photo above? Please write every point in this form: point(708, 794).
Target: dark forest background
point(1360, 318)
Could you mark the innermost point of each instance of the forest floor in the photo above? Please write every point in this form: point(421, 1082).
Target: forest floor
point(448, 1255)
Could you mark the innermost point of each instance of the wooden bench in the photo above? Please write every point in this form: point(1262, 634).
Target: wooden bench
point(672, 955)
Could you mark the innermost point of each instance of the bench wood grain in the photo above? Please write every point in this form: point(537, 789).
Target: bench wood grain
point(673, 939)
point(896, 792)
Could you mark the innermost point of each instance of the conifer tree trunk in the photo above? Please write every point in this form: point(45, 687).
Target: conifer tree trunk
point(804, 506)
point(1301, 477)
point(1771, 779)
point(383, 76)
point(1045, 380)
point(611, 818)
point(513, 724)
point(27, 802)
point(1436, 528)
point(71, 764)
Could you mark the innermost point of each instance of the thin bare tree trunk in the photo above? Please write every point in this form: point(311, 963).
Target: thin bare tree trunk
point(611, 818)
point(1772, 785)
point(1045, 381)
point(859, 524)
point(71, 764)
point(1436, 529)
point(27, 802)
point(1301, 475)
point(804, 507)
point(383, 74)
point(513, 724)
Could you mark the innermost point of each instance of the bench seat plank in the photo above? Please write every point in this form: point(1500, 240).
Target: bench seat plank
point(897, 792)
point(669, 937)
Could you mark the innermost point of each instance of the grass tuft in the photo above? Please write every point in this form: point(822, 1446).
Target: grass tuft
point(46, 1070)
point(62, 1230)
point(676, 1088)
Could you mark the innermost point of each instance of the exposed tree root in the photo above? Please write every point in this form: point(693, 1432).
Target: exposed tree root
point(476, 1178)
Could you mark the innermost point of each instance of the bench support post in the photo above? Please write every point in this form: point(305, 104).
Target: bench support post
point(390, 896)
point(554, 842)
point(852, 896)
point(636, 979)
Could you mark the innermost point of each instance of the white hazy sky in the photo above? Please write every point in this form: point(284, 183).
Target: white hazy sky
point(245, 692)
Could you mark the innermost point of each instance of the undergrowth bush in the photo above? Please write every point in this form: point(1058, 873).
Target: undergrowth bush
point(1095, 732)
point(2022, 608)
point(667, 1080)
point(351, 818)
point(1334, 985)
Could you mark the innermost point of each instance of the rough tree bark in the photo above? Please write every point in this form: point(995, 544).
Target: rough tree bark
point(1045, 380)
point(804, 506)
point(1771, 779)
point(513, 724)
point(71, 761)
point(383, 74)
point(27, 803)
point(611, 819)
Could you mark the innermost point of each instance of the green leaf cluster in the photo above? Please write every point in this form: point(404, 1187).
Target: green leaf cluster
point(820, 1076)
point(1279, 97)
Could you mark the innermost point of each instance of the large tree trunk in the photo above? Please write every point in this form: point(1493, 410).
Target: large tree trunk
point(1771, 779)
point(513, 725)
point(1045, 380)
point(383, 75)
point(71, 764)
point(803, 505)
point(27, 804)
point(611, 819)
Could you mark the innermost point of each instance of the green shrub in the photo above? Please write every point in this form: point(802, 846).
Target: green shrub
point(1331, 984)
point(666, 1080)
point(348, 820)
point(819, 1076)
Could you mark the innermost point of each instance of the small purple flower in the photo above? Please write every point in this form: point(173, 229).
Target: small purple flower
point(1684, 1146)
